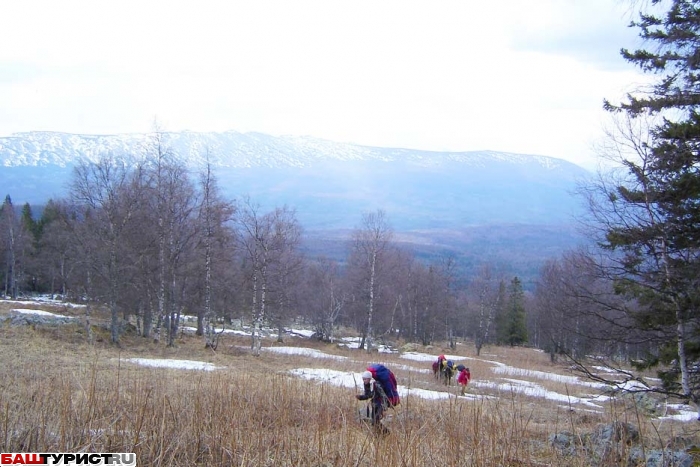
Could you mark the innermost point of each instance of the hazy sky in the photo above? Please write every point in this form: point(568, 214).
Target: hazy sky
point(519, 76)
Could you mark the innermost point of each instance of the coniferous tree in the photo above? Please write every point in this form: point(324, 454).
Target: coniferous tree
point(501, 318)
point(16, 247)
point(29, 223)
point(56, 248)
point(515, 314)
point(651, 219)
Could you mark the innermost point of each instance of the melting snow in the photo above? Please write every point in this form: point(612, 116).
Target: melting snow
point(27, 311)
point(424, 357)
point(509, 370)
point(303, 351)
point(166, 363)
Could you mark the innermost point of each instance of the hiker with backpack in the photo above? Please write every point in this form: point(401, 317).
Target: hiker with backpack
point(437, 366)
point(375, 392)
point(448, 372)
point(381, 389)
point(463, 378)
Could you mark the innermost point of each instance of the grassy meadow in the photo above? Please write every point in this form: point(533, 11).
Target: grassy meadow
point(60, 394)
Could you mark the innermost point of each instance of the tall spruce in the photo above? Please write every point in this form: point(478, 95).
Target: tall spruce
point(516, 325)
point(501, 316)
point(657, 238)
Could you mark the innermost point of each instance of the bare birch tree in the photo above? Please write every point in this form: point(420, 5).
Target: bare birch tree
point(105, 190)
point(214, 215)
point(326, 296)
point(484, 293)
point(264, 239)
point(370, 242)
point(285, 266)
point(10, 231)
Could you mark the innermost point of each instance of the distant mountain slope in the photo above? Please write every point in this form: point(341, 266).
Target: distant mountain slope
point(243, 150)
point(330, 184)
point(511, 210)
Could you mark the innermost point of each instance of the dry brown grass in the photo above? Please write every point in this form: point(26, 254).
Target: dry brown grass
point(57, 393)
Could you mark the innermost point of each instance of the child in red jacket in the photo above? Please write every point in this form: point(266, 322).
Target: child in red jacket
point(463, 379)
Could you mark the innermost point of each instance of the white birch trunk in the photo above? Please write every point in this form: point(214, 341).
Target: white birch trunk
point(261, 316)
point(255, 337)
point(161, 279)
point(11, 260)
point(370, 311)
point(208, 314)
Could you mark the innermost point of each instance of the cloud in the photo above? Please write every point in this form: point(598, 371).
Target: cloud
point(524, 77)
point(591, 32)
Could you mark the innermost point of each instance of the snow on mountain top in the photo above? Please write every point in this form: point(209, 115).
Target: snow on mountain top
point(237, 150)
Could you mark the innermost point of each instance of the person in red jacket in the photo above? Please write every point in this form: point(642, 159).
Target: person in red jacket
point(463, 379)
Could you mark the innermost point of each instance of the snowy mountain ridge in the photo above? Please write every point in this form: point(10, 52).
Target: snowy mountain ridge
point(232, 149)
